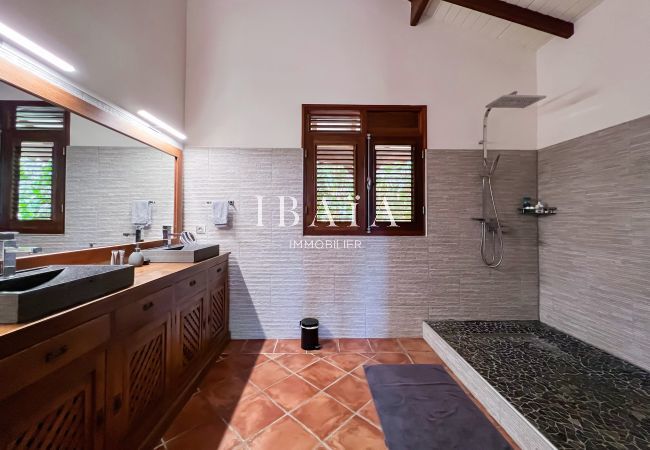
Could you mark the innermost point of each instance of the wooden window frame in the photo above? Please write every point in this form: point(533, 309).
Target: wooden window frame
point(378, 136)
point(11, 138)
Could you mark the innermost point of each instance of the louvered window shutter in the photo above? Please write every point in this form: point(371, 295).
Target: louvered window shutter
point(34, 138)
point(394, 183)
point(367, 163)
point(40, 118)
point(348, 122)
point(335, 182)
point(33, 177)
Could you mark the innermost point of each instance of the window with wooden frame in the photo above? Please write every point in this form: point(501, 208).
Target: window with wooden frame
point(364, 170)
point(34, 136)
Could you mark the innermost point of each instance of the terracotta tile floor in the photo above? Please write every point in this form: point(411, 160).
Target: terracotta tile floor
point(273, 395)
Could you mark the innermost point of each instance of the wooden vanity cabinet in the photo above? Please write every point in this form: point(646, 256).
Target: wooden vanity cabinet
point(163, 348)
point(139, 365)
point(192, 318)
point(115, 381)
point(217, 303)
point(64, 409)
point(201, 315)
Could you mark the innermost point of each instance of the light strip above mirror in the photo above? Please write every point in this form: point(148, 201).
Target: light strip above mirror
point(160, 124)
point(8, 33)
point(23, 61)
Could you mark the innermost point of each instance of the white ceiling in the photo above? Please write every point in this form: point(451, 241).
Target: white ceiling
point(569, 10)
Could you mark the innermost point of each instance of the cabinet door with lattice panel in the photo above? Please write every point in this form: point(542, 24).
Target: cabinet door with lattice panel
point(217, 309)
point(145, 368)
point(64, 411)
point(192, 321)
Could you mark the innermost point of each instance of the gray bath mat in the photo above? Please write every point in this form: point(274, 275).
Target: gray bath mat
point(421, 407)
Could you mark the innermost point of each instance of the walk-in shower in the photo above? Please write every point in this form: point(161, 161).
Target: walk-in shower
point(492, 225)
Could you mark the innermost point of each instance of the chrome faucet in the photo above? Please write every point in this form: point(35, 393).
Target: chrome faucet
point(137, 234)
point(8, 248)
point(186, 237)
point(168, 235)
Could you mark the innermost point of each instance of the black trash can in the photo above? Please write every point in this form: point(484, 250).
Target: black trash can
point(309, 334)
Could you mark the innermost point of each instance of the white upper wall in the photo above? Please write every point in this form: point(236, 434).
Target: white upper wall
point(8, 92)
point(253, 63)
point(131, 53)
point(598, 78)
point(86, 133)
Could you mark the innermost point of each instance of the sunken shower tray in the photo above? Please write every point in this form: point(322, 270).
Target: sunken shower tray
point(577, 396)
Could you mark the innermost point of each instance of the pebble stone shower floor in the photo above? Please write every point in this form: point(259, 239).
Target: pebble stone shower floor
point(578, 396)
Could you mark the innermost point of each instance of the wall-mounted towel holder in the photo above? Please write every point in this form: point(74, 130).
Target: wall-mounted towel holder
point(230, 203)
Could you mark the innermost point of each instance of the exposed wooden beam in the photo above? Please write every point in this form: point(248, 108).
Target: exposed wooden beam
point(516, 14)
point(417, 9)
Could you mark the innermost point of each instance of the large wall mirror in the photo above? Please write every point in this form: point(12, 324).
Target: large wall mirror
point(68, 183)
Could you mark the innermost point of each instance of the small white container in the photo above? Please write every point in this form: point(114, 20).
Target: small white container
point(136, 258)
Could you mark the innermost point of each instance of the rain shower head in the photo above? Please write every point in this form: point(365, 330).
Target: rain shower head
point(512, 100)
point(515, 100)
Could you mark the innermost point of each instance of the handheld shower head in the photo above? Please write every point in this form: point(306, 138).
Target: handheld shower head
point(493, 167)
point(488, 168)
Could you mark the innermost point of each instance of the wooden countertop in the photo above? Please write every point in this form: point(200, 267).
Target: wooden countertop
point(148, 279)
point(156, 271)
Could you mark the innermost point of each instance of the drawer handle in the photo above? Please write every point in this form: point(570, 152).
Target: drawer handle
point(147, 306)
point(54, 354)
point(192, 283)
point(219, 270)
point(100, 418)
point(117, 403)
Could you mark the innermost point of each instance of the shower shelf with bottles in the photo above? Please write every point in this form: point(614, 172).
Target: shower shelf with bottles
point(537, 212)
point(528, 208)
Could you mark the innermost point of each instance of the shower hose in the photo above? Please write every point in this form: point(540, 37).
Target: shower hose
point(496, 258)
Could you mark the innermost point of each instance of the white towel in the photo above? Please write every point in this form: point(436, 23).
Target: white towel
point(220, 212)
point(142, 212)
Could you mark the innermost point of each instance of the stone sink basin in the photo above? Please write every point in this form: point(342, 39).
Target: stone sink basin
point(181, 253)
point(36, 293)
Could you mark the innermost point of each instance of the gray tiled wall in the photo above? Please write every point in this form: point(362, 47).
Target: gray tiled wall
point(101, 184)
point(390, 285)
point(595, 254)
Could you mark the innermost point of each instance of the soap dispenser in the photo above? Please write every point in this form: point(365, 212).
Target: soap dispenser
point(136, 258)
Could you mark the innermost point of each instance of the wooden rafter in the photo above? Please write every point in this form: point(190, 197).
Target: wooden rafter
point(506, 11)
point(417, 9)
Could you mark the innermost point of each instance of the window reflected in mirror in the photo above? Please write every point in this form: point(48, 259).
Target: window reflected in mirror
point(68, 183)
